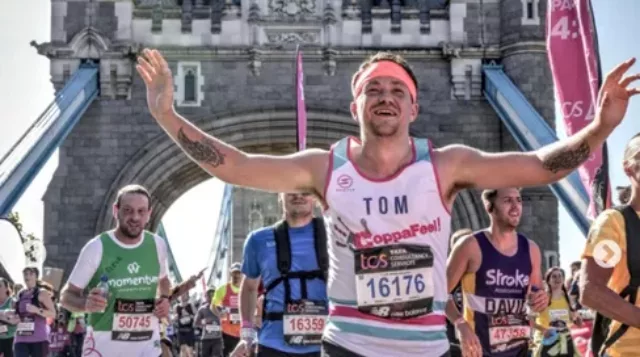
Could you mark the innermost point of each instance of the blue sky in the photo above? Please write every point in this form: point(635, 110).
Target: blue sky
point(25, 91)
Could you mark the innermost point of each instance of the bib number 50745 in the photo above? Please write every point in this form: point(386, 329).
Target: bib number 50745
point(399, 285)
point(133, 323)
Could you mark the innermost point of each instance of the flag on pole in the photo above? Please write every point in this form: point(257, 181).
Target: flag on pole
point(301, 109)
point(572, 50)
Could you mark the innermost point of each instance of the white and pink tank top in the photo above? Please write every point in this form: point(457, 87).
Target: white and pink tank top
point(388, 242)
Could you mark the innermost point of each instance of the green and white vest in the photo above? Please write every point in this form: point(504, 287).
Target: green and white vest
point(6, 330)
point(133, 283)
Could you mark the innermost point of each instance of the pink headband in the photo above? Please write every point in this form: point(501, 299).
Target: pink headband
point(384, 69)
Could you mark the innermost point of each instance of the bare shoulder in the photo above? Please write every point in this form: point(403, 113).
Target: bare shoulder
point(447, 161)
point(315, 155)
point(466, 253)
point(467, 245)
point(534, 249)
point(454, 152)
point(316, 161)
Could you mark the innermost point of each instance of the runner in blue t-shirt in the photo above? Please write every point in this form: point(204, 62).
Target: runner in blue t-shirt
point(296, 330)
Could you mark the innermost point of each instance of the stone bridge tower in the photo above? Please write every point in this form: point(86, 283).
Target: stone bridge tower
point(233, 63)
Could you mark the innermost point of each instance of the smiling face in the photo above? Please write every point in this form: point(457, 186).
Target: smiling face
point(384, 108)
point(555, 279)
point(132, 214)
point(385, 93)
point(505, 208)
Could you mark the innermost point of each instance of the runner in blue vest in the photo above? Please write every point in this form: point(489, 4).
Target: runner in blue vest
point(295, 305)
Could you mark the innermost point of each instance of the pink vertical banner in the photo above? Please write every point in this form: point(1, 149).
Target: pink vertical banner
point(574, 64)
point(301, 109)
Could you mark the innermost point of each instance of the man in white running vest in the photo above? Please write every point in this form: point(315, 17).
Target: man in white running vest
point(387, 281)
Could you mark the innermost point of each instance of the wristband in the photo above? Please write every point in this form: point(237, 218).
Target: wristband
point(459, 321)
point(246, 324)
point(248, 334)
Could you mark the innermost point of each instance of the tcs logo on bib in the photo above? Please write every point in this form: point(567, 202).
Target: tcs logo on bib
point(373, 261)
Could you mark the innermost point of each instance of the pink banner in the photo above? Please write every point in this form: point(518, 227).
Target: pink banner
point(580, 336)
point(300, 105)
point(574, 64)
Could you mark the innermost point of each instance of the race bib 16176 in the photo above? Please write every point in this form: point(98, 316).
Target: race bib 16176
point(395, 282)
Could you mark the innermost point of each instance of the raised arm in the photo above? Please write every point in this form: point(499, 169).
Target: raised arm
point(463, 167)
point(302, 171)
point(595, 292)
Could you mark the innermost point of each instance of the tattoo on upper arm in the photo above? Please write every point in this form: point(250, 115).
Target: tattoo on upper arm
point(566, 159)
point(204, 150)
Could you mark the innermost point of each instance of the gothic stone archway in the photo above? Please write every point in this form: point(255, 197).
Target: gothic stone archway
point(162, 167)
point(168, 173)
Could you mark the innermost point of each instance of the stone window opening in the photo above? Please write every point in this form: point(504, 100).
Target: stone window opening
point(189, 82)
point(530, 11)
point(190, 85)
point(551, 259)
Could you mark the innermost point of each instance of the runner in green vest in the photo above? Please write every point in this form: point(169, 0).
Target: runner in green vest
point(133, 263)
point(8, 319)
